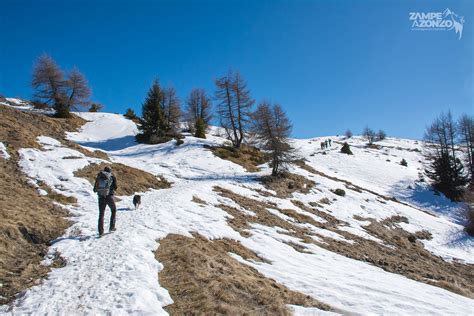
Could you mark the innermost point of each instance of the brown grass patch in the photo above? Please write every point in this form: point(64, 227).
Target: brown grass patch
point(247, 156)
point(197, 200)
point(94, 154)
point(240, 221)
point(203, 279)
point(406, 256)
point(57, 197)
point(287, 183)
point(29, 222)
point(19, 129)
point(129, 180)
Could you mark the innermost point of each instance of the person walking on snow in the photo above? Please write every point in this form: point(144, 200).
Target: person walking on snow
point(105, 185)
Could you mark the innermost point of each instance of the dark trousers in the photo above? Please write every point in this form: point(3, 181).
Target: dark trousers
point(103, 202)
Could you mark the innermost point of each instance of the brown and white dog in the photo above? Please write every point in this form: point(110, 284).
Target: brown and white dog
point(137, 200)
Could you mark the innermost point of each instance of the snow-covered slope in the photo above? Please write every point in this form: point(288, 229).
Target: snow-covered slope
point(118, 273)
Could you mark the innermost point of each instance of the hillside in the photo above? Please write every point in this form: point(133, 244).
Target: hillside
point(210, 236)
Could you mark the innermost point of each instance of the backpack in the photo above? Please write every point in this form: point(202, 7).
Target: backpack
point(104, 182)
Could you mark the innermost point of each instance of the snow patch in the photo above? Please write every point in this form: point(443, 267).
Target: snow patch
point(4, 152)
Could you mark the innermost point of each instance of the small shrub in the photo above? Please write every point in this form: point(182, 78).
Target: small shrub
point(39, 105)
point(200, 128)
point(153, 139)
point(469, 228)
point(325, 200)
point(346, 149)
point(423, 235)
point(404, 162)
point(96, 107)
point(179, 142)
point(130, 114)
point(411, 238)
point(339, 192)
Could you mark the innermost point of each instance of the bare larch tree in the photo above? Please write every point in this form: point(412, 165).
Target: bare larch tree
point(466, 138)
point(198, 106)
point(369, 134)
point(272, 128)
point(445, 170)
point(234, 106)
point(51, 86)
point(171, 108)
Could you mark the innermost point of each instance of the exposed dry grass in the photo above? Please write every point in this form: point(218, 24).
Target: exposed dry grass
point(240, 221)
point(287, 183)
point(29, 221)
point(204, 280)
point(57, 197)
point(197, 200)
point(247, 156)
point(129, 180)
point(406, 255)
point(19, 129)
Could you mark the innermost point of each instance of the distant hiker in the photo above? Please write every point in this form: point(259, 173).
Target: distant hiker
point(326, 143)
point(105, 185)
point(322, 145)
point(330, 142)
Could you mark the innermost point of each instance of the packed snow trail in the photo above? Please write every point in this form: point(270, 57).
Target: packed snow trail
point(118, 273)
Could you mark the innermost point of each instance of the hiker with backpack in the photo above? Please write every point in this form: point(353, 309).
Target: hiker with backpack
point(105, 185)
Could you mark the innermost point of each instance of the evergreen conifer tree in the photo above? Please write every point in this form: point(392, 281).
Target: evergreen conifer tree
point(153, 125)
point(200, 128)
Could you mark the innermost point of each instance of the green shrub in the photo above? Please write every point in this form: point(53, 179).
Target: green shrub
point(339, 192)
point(404, 162)
point(346, 149)
point(200, 128)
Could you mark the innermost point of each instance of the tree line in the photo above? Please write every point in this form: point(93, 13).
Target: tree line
point(448, 143)
point(267, 125)
point(162, 117)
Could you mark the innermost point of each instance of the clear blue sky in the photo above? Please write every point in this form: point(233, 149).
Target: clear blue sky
point(332, 65)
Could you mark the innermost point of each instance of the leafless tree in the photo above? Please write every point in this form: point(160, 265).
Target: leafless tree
point(446, 168)
point(234, 107)
point(381, 135)
point(369, 134)
point(441, 136)
point(171, 107)
point(348, 133)
point(272, 128)
point(198, 106)
point(48, 80)
point(77, 92)
point(466, 137)
point(51, 86)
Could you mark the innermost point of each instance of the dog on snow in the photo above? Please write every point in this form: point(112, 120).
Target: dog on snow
point(137, 200)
